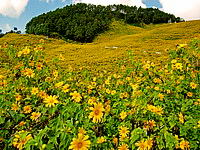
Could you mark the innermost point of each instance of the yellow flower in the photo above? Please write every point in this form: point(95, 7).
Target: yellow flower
point(123, 132)
point(189, 94)
point(26, 51)
point(107, 82)
point(101, 140)
point(18, 97)
point(161, 96)
point(142, 145)
point(145, 145)
point(65, 88)
point(42, 94)
point(20, 140)
point(15, 107)
point(55, 74)
point(181, 46)
point(31, 63)
point(61, 57)
point(108, 91)
point(193, 85)
point(22, 123)
point(149, 144)
point(179, 66)
point(115, 141)
point(156, 80)
point(19, 54)
point(123, 115)
point(113, 92)
point(149, 124)
point(92, 101)
point(81, 132)
point(29, 73)
point(76, 96)
point(184, 145)
point(181, 118)
point(39, 66)
point(35, 115)
point(123, 147)
point(2, 77)
point(27, 109)
point(146, 66)
point(156, 88)
point(97, 112)
point(59, 84)
point(34, 91)
point(80, 143)
point(174, 61)
point(51, 101)
point(158, 110)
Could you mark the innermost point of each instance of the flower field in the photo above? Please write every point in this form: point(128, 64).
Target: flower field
point(144, 105)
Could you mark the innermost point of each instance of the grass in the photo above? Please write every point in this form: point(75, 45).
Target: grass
point(148, 43)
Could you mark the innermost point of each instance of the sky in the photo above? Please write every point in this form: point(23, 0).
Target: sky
point(16, 13)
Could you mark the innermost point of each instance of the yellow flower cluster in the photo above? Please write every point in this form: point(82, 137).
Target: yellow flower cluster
point(80, 143)
point(157, 110)
point(21, 138)
point(145, 144)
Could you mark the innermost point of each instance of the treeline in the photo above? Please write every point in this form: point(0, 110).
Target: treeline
point(15, 30)
point(82, 22)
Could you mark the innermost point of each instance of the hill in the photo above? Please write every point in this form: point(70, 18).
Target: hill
point(148, 43)
point(82, 22)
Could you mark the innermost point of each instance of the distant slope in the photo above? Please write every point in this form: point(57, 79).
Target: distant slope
point(149, 43)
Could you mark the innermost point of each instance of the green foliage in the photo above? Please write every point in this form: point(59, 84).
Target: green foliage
point(150, 106)
point(82, 22)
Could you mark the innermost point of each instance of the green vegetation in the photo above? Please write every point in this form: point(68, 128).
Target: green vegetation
point(82, 22)
point(146, 106)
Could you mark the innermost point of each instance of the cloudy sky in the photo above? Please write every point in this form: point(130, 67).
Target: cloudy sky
point(16, 13)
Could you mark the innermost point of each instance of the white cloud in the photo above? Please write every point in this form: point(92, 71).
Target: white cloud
point(12, 8)
point(110, 2)
point(5, 27)
point(52, 0)
point(187, 9)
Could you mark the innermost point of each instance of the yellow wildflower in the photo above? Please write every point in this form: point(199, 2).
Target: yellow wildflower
point(179, 66)
point(15, 107)
point(26, 51)
point(65, 88)
point(19, 141)
point(80, 143)
point(184, 145)
point(35, 115)
point(51, 101)
point(115, 141)
point(34, 91)
point(22, 123)
point(189, 94)
point(123, 132)
point(101, 140)
point(123, 115)
point(158, 110)
point(29, 73)
point(193, 85)
point(97, 112)
point(18, 97)
point(181, 118)
point(27, 109)
point(76, 96)
point(123, 147)
point(59, 84)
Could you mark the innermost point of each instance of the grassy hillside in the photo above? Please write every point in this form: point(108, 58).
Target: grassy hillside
point(145, 106)
point(150, 42)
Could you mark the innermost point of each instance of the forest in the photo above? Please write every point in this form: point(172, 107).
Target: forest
point(83, 22)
